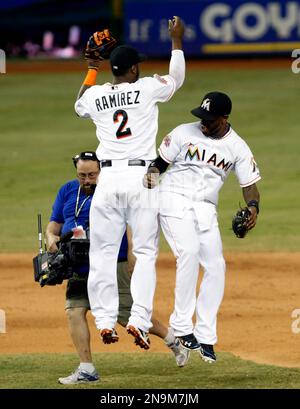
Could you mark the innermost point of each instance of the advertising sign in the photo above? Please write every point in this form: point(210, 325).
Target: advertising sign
point(215, 27)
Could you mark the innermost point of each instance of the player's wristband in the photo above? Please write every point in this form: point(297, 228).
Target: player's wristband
point(253, 203)
point(91, 77)
point(160, 164)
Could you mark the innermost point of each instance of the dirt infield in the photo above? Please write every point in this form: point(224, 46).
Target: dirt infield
point(254, 322)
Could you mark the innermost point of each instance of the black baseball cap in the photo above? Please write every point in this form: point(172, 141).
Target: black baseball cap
point(86, 155)
point(213, 105)
point(123, 57)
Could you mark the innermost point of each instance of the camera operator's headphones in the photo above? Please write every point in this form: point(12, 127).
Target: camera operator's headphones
point(89, 155)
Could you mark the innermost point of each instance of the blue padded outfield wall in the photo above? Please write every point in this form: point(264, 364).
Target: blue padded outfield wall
point(214, 27)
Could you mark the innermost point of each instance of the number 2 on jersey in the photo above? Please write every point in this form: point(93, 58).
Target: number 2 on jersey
point(121, 132)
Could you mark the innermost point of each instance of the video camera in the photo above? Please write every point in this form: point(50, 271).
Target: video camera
point(53, 268)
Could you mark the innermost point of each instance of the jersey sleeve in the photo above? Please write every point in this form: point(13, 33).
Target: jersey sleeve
point(82, 105)
point(57, 208)
point(177, 67)
point(162, 87)
point(170, 147)
point(246, 168)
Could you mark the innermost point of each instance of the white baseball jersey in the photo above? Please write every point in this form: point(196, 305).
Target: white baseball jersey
point(200, 165)
point(126, 115)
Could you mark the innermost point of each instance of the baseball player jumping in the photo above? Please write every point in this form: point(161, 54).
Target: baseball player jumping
point(200, 156)
point(125, 113)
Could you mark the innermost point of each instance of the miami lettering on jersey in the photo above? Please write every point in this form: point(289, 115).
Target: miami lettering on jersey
point(200, 165)
point(117, 100)
point(194, 151)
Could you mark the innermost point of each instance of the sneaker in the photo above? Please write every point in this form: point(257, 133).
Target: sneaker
point(141, 337)
point(109, 336)
point(189, 342)
point(207, 353)
point(79, 376)
point(181, 354)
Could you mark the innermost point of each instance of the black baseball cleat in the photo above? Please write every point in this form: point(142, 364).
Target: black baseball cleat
point(207, 353)
point(189, 342)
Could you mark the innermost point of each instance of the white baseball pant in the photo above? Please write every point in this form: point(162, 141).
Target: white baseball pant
point(120, 198)
point(193, 247)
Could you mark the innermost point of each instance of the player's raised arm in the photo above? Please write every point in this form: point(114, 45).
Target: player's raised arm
point(176, 30)
point(91, 76)
point(177, 62)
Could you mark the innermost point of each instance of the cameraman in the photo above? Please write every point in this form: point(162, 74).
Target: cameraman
point(70, 210)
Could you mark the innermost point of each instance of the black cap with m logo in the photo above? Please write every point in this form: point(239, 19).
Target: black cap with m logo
point(213, 105)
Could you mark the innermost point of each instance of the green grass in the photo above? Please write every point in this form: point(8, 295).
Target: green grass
point(145, 371)
point(40, 133)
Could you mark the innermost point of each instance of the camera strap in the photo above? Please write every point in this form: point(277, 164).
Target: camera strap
point(78, 210)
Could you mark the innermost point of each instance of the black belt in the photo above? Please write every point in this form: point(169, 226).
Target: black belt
point(131, 162)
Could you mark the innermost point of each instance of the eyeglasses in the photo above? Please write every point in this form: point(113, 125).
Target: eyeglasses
point(91, 175)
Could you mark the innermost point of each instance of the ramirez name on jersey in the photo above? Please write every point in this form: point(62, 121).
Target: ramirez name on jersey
point(117, 100)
